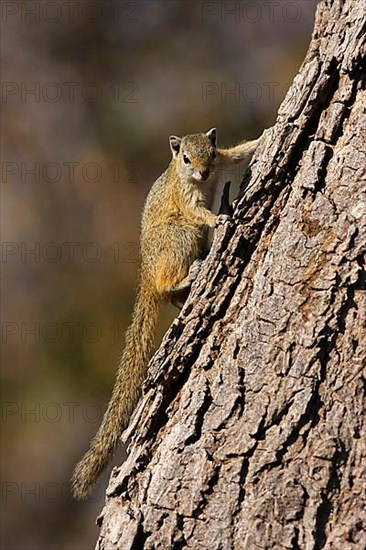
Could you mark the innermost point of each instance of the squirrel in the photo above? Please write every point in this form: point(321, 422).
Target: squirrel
point(174, 219)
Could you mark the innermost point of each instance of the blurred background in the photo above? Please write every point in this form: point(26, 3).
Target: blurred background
point(90, 93)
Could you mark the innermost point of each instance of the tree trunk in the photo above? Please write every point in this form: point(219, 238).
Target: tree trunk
point(251, 431)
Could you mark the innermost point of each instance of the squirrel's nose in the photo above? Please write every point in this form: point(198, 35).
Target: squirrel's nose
point(205, 173)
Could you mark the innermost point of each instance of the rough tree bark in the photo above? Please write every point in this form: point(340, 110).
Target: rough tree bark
point(251, 432)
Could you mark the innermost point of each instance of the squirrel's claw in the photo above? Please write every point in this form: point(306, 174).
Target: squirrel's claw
point(222, 218)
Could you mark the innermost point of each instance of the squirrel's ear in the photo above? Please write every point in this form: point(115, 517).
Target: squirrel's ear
point(174, 142)
point(212, 134)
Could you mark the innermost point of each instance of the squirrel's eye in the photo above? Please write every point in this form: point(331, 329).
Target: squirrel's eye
point(186, 159)
point(213, 154)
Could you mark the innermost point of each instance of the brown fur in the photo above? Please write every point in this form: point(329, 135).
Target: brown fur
point(173, 220)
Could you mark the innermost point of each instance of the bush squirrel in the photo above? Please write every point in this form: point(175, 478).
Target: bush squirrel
point(174, 219)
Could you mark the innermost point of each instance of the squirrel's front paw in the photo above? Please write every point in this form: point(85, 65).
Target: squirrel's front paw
point(222, 218)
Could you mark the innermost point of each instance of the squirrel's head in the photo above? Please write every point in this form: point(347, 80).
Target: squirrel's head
point(195, 155)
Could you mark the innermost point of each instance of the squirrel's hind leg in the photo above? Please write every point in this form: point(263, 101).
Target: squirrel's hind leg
point(179, 293)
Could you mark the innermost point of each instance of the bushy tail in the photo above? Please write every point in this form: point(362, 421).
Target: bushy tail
point(126, 392)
